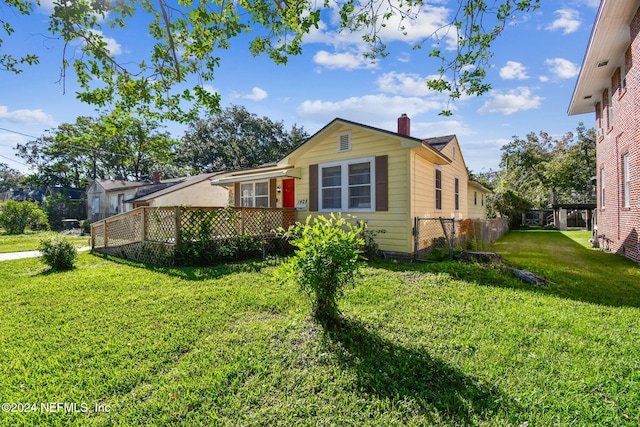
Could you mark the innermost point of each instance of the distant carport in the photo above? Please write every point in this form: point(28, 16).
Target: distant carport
point(573, 215)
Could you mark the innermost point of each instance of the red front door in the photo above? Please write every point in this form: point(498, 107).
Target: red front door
point(288, 193)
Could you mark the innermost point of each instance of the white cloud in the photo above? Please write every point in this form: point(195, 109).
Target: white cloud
point(433, 129)
point(544, 79)
point(519, 99)
point(426, 22)
point(568, 21)
point(381, 111)
point(562, 68)
point(113, 47)
point(27, 117)
point(514, 71)
point(407, 84)
point(256, 94)
point(345, 60)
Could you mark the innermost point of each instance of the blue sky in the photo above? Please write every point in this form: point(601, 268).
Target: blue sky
point(533, 73)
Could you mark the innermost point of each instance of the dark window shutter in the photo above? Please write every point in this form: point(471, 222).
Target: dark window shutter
point(382, 183)
point(236, 194)
point(313, 188)
point(272, 193)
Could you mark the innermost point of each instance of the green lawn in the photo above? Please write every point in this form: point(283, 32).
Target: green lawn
point(29, 241)
point(422, 344)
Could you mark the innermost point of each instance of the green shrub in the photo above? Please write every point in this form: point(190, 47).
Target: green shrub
point(327, 259)
point(59, 254)
point(193, 253)
point(15, 217)
point(370, 246)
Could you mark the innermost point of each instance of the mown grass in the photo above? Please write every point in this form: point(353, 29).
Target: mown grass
point(573, 269)
point(427, 344)
point(29, 241)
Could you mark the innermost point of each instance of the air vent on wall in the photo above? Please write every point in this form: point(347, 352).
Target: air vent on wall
point(344, 142)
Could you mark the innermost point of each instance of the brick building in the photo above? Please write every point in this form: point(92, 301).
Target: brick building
point(609, 86)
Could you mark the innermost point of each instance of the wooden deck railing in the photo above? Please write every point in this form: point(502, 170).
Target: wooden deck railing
point(168, 225)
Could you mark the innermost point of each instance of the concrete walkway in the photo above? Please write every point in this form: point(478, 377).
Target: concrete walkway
point(31, 254)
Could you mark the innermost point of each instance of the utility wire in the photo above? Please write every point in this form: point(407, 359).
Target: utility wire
point(93, 150)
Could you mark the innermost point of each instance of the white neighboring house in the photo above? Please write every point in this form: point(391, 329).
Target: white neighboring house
point(107, 197)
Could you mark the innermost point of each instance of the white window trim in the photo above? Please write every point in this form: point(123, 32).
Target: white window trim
point(456, 194)
point(435, 189)
point(602, 190)
point(610, 108)
point(344, 184)
point(253, 183)
point(626, 181)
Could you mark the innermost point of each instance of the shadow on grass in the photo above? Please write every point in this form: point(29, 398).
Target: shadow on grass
point(399, 374)
point(572, 271)
point(197, 273)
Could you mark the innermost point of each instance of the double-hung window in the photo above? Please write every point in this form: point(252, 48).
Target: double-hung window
point(438, 189)
point(626, 181)
point(457, 193)
point(602, 198)
point(254, 194)
point(347, 185)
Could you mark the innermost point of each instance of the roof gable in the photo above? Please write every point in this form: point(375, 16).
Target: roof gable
point(407, 141)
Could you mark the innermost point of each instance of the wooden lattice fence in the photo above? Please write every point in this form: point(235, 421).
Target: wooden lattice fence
point(156, 235)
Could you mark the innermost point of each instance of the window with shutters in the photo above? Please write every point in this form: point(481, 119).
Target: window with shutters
point(254, 194)
point(347, 186)
point(438, 189)
point(344, 141)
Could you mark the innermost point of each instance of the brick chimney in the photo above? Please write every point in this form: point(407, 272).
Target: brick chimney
point(156, 177)
point(404, 125)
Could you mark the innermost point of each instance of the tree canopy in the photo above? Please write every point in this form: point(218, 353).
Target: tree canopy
point(235, 139)
point(9, 178)
point(106, 147)
point(541, 169)
point(188, 37)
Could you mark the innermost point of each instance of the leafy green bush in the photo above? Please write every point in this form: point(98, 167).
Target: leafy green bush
point(327, 259)
point(15, 217)
point(59, 254)
point(214, 251)
point(370, 246)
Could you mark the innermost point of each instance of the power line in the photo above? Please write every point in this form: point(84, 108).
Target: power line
point(93, 150)
point(9, 158)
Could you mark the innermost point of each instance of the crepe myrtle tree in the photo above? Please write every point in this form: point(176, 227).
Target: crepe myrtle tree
point(188, 37)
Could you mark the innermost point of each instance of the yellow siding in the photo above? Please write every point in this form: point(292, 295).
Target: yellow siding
point(477, 201)
point(423, 184)
point(397, 221)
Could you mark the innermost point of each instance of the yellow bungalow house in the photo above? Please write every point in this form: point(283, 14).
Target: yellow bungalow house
point(384, 178)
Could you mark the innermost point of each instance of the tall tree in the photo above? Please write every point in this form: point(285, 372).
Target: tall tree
point(107, 147)
point(188, 36)
point(9, 178)
point(234, 139)
point(543, 169)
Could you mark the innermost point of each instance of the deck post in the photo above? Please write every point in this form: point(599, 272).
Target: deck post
point(145, 226)
point(177, 225)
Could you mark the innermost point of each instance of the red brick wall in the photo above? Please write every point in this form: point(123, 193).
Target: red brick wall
point(621, 225)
